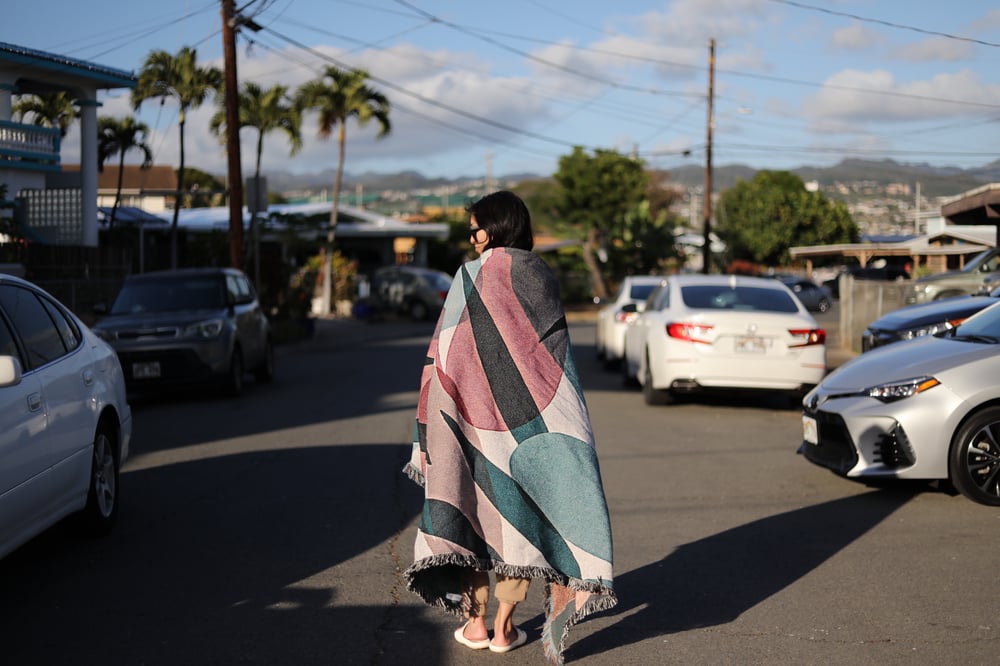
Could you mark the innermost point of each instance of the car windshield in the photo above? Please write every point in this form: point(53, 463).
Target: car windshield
point(984, 326)
point(639, 292)
point(194, 293)
point(440, 282)
point(724, 297)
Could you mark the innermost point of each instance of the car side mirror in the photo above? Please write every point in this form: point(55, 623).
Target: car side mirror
point(10, 371)
point(630, 307)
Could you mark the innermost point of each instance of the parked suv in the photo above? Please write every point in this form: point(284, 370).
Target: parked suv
point(969, 280)
point(411, 290)
point(187, 327)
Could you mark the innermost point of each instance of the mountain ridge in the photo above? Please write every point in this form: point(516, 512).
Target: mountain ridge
point(934, 181)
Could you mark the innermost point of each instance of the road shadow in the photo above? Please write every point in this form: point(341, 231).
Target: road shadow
point(226, 560)
point(714, 580)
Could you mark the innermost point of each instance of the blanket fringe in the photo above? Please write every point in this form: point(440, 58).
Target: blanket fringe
point(602, 596)
point(414, 473)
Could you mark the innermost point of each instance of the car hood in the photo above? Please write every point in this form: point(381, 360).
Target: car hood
point(938, 276)
point(935, 311)
point(928, 355)
point(156, 319)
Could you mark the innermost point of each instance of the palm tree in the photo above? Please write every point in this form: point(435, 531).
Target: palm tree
point(117, 137)
point(176, 76)
point(266, 111)
point(55, 109)
point(337, 96)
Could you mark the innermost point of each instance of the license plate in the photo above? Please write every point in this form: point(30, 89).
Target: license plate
point(809, 432)
point(751, 344)
point(149, 370)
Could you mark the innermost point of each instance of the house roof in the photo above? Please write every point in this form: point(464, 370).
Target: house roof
point(26, 60)
point(978, 206)
point(157, 178)
point(352, 222)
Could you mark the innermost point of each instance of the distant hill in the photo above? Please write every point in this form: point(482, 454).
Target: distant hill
point(934, 181)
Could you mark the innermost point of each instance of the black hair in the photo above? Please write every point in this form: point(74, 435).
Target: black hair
point(505, 219)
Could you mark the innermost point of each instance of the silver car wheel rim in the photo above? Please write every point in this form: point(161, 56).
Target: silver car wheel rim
point(982, 460)
point(104, 476)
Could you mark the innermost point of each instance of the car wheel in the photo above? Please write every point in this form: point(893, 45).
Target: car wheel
point(265, 371)
point(974, 467)
point(98, 517)
point(653, 396)
point(824, 304)
point(418, 311)
point(234, 381)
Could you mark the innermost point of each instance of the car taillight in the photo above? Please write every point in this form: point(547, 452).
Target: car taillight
point(690, 332)
point(805, 337)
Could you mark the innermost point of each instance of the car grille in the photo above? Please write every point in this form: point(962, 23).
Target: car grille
point(894, 449)
point(179, 365)
point(163, 333)
point(835, 450)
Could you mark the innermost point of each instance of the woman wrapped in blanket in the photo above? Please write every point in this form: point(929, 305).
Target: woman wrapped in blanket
point(504, 449)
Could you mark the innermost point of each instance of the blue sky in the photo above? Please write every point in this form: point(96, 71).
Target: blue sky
point(509, 87)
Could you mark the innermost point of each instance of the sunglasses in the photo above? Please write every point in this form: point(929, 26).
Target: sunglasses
point(473, 231)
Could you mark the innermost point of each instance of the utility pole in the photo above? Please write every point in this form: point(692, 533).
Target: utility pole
point(707, 245)
point(234, 170)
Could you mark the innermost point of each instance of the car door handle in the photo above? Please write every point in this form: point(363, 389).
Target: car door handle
point(35, 402)
point(88, 377)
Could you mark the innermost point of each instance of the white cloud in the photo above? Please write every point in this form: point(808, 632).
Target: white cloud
point(935, 49)
point(855, 37)
point(848, 96)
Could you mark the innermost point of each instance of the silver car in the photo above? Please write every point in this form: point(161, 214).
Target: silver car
point(187, 327)
point(65, 423)
point(927, 409)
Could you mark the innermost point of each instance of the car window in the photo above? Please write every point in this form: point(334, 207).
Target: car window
point(7, 345)
point(39, 334)
point(190, 293)
point(639, 292)
point(724, 297)
point(67, 327)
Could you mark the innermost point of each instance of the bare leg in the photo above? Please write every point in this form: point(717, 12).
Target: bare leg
point(503, 625)
point(476, 629)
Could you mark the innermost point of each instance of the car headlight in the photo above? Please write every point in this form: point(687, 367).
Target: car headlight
point(210, 328)
point(929, 329)
point(893, 391)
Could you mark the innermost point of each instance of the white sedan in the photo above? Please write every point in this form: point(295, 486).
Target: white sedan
point(927, 408)
point(616, 314)
point(66, 425)
point(725, 332)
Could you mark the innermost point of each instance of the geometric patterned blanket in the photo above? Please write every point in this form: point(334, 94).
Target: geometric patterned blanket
point(504, 449)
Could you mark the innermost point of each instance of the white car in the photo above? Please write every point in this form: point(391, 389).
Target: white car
point(725, 332)
point(66, 424)
point(616, 314)
point(927, 409)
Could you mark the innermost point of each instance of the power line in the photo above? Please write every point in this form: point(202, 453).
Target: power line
point(889, 24)
point(569, 70)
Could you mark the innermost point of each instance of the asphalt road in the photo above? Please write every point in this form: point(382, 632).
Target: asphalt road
point(272, 530)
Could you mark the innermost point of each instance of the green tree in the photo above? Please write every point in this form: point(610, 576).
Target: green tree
point(599, 192)
point(760, 220)
point(203, 190)
point(337, 96)
point(177, 77)
point(266, 111)
point(118, 137)
point(56, 109)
